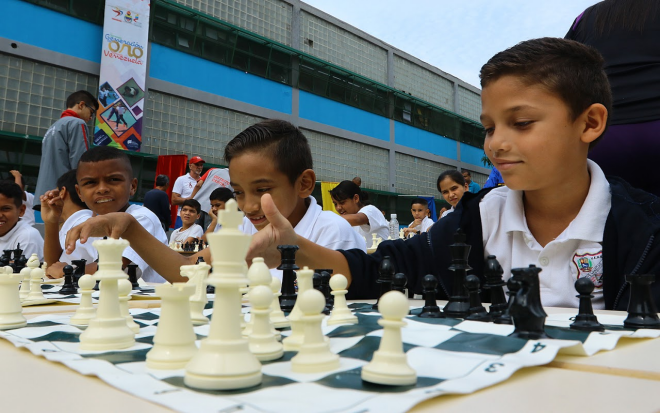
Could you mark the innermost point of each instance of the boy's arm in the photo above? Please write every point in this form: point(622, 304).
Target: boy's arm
point(211, 228)
point(159, 256)
point(51, 211)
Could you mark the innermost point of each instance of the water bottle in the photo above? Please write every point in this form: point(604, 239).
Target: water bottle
point(394, 227)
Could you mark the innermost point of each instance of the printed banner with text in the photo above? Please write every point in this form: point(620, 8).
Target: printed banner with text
point(123, 73)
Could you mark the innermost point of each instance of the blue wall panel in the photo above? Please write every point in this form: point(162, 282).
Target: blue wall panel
point(48, 29)
point(197, 73)
point(329, 112)
point(412, 137)
point(472, 155)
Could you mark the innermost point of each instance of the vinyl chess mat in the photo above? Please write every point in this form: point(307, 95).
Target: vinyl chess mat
point(449, 355)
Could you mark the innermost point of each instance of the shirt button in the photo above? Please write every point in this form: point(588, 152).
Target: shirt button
point(544, 261)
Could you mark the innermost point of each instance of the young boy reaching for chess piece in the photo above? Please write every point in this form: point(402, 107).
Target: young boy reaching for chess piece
point(419, 208)
point(189, 231)
point(271, 157)
point(15, 233)
point(544, 104)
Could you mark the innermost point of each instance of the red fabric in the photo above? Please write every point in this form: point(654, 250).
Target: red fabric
point(173, 166)
point(70, 112)
point(84, 131)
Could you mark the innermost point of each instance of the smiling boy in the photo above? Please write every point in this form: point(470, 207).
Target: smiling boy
point(13, 231)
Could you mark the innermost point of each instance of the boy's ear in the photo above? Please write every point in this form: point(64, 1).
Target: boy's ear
point(134, 184)
point(79, 194)
point(595, 120)
point(63, 193)
point(21, 210)
point(306, 182)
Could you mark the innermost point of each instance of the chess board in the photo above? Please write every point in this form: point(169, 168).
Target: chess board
point(449, 355)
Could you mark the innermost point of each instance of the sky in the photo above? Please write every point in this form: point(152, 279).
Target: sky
point(457, 37)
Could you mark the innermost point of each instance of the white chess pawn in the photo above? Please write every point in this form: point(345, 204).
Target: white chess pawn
point(174, 342)
point(295, 340)
point(86, 310)
point(277, 317)
point(124, 287)
point(401, 234)
point(389, 364)
point(36, 278)
point(341, 314)
point(263, 343)
point(314, 355)
point(11, 312)
point(25, 283)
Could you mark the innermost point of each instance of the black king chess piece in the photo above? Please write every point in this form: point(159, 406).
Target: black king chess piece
point(585, 320)
point(477, 310)
point(458, 305)
point(385, 274)
point(430, 309)
point(494, 283)
point(288, 267)
point(642, 312)
point(526, 309)
point(68, 287)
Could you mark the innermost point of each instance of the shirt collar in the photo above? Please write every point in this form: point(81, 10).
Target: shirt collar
point(306, 225)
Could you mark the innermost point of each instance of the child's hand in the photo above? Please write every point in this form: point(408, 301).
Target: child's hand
point(213, 216)
point(56, 270)
point(51, 206)
point(112, 225)
point(278, 232)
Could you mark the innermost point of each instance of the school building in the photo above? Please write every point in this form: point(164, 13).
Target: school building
point(217, 66)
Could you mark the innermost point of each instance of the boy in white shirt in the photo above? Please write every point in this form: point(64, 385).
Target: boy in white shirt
point(419, 208)
point(15, 233)
point(189, 231)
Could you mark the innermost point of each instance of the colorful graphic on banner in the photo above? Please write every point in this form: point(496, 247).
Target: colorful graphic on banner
point(123, 73)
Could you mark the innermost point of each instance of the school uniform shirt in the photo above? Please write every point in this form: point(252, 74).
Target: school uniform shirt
point(29, 238)
point(194, 231)
point(425, 225)
point(150, 222)
point(577, 252)
point(377, 225)
point(447, 212)
point(184, 186)
point(84, 251)
point(324, 228)
point(28, 216)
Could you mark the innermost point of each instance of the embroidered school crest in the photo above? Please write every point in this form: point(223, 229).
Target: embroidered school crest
point(590, 265)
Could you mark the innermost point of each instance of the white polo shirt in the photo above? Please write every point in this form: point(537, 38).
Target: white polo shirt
point(27, 236)
point(577, 252)
point(377, 224)
point(194, 231)
point(84, 251)
point(151, 223)
point(184, 186)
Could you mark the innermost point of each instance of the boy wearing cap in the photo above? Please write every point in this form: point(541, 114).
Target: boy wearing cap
point(184, 185)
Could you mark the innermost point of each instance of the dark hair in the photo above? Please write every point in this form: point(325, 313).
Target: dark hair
point(348, 189)
point(569, 69)
point(192, 203)
point(162, 180)
point(106, 153)
point(423, 202)
point(465, 171)
point(68, 181)
point(84, 96)
point(11, 190)
point(221, 194)
point(290, 149)
point(452, 174)
point(629, 15)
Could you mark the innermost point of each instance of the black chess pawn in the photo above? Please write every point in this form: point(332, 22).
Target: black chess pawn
point(68, 287)
point(642, 312)
point(385, 274)
point(20, 262)
point(585, 320)
point(326, 290)
point(132, 275)
point(477, 310)
point(526, 309)
point(5, 259)
point(494, 283)
point(288, 267)
point(458, 305)
point(79, 270)
point(399, 282)
point(430, 309)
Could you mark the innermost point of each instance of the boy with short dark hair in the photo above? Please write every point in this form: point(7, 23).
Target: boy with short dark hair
point(65, 141)
point(13, 231)
point(419, 208)
point(472, 186)
point(189, 231)
point(218, 199)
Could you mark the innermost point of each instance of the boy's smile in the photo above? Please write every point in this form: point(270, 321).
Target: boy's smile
point(9, 214)
point(105, 186)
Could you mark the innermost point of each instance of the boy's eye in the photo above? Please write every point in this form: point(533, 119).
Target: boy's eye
point(238, 193)
point(263, 189)
point(489, 131)
point(523, 124)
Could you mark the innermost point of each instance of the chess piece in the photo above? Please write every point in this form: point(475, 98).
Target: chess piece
point(258, 274)
point(25, 283)
point(224, 360)
point(132, 276)
point(263, 343)
point(5, 259)
point(326, 290)
point(513, 286)
point(85, 310)
point(430, 309)
point(477, 310)
point(341, 314)
point(36, 278)
point(277, 317)
point(389, 364)
point(642, 312)
point(295, 340)
point(11, 311)
point(399, 282)
point(314, 355)
point(458, 305)
point(79, 271)
point(526, 310)
point(288, 267)
point(108, 330)
point(19, 260)
point(494, 283)
point(68, 288)
point(585, 320)
point(197, 275)
point(385, 274)
point(124, 289)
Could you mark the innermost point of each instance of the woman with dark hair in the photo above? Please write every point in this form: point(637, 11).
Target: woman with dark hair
point(353, 206)
point(627, 34)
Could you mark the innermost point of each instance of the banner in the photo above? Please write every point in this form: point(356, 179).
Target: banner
point(123, 73)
